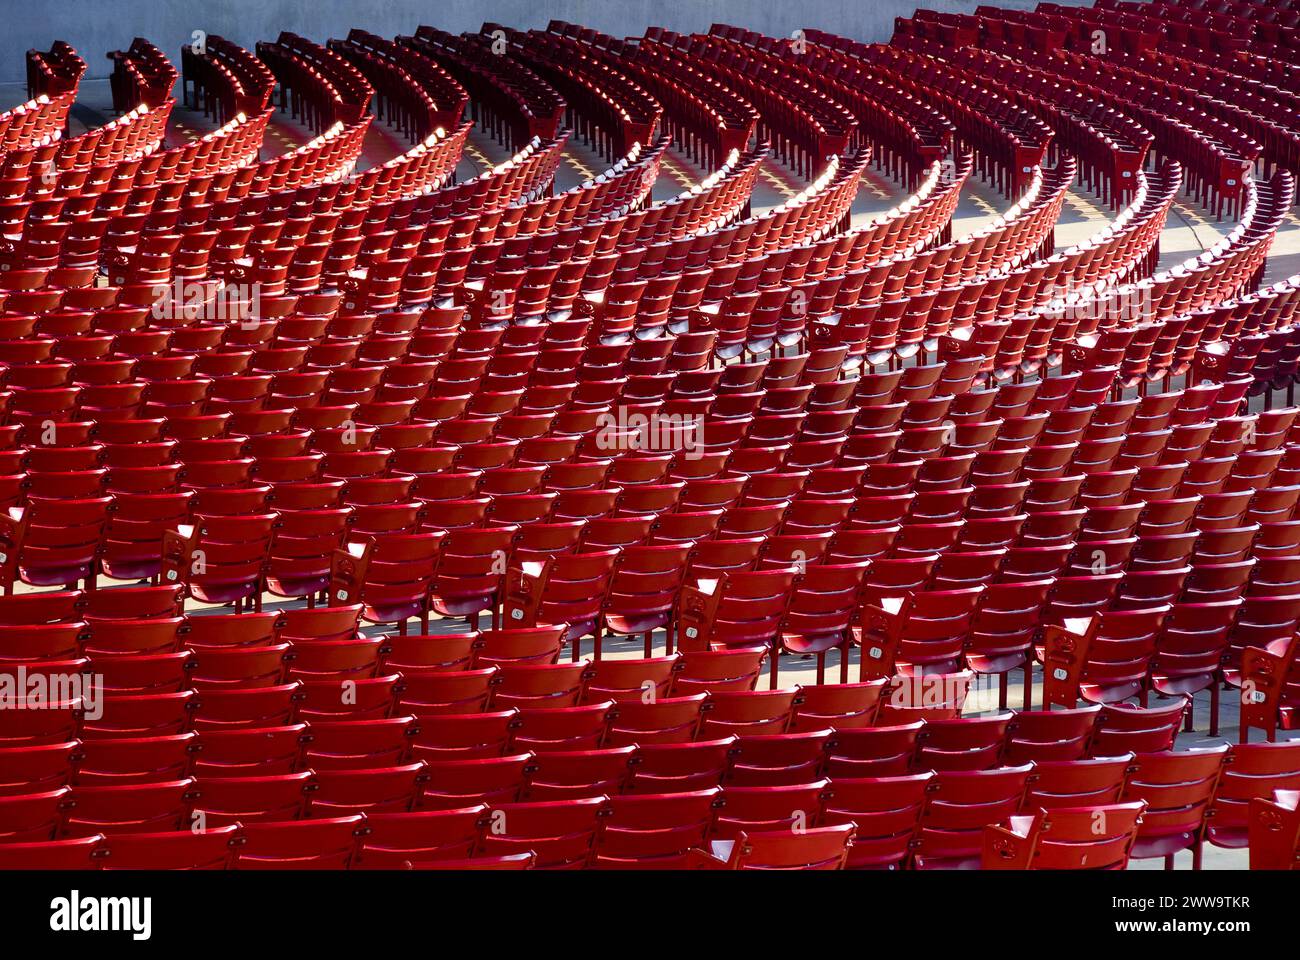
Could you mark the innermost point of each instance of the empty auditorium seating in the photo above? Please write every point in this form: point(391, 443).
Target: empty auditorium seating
point(410, 519)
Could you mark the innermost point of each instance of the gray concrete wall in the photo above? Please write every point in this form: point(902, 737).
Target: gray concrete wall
point(97, 26)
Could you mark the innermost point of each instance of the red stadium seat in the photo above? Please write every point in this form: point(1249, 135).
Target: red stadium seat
point(262, 408)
